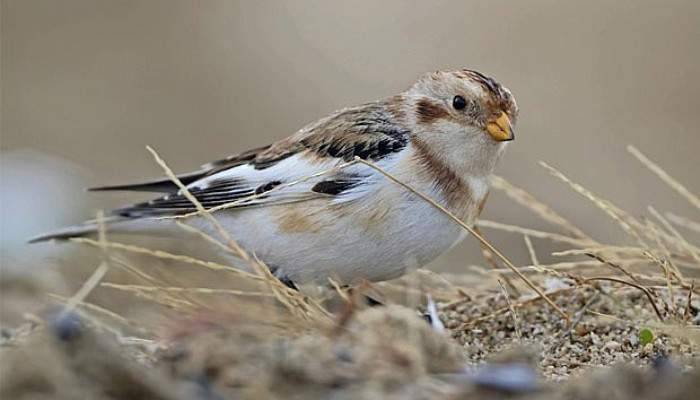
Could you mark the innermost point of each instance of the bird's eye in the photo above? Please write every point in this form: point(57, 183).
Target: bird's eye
point(459, 103)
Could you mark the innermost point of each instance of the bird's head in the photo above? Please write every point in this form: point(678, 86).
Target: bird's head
point(464, 99)
point(463, 115)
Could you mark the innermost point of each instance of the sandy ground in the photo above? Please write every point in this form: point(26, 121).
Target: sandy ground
point(491, 347)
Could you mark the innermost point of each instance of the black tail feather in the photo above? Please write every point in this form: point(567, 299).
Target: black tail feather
point(164, 185)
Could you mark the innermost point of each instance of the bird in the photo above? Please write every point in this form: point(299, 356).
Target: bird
point(442, 136)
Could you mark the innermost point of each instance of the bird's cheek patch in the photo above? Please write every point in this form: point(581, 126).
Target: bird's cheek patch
point(428, 111)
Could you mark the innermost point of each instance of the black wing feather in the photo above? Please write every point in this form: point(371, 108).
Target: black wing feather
point(165, 185)
point(177, 203)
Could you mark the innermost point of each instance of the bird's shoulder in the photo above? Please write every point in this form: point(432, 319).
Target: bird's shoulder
point(370, 131)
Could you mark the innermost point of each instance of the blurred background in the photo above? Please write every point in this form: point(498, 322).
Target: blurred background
point(87, 84)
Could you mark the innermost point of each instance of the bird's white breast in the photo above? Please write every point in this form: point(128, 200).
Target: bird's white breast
point(378, 234)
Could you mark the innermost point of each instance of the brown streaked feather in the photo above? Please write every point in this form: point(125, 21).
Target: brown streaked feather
point(486, 82)
point(455, 191)
point(260, 157)
point(371, 131)
point(428, 111)
point(499, 100)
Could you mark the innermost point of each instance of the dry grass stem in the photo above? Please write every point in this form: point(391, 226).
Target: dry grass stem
point(670, 181)
point(191, 290)
point(612, 211)
point(490, 260)
point(293, 300)
point(98, 310)
point(684, 243)
point(205, 236)
point(545, 212)
point(555, 237)
point(558, 269)
point(200, 208)
point(615, 266)
point(169, 256)
point(646, 291)
point(684, 222)
point(342, 293)
point(97, 275)
point(144, 277)
point(133, 270)
point(667, 267)
point(514, 315)
point(619, 250)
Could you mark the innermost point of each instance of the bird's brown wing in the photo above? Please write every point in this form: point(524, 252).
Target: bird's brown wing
point(370, 131)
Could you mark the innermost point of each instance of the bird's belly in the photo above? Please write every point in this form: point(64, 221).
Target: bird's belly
point(366, 241)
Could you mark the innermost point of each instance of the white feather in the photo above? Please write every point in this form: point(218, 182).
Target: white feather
point(346, 247)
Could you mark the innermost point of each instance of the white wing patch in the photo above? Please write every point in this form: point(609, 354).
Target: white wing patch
point(290, 180)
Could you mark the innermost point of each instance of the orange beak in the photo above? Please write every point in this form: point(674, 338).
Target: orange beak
point(500, 128)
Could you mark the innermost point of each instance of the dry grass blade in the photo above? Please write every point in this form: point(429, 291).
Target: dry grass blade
point(666, 264)
point(531, 250)
point(514, 315)
point(293, 300)
point(99, 273)
point(180, 304)
point(684, 222)
point(626, 250)
point(555, 237)
point(169, 256)
point(342, 293)
point(126, 266)
point(536, 263)
point(629, 224)
point(489, 257)
point(557, 268)
point(545, 212)
point(469, 229)
point(119, 261)
point(208, 238)
point(683, 243)
point(674, 184)
point(662, 283)
point(615, 266)
point(191, 290)
point(96, 309)
point(613, 212)
point(200, 208)
point(624, 282)
point(87, 287)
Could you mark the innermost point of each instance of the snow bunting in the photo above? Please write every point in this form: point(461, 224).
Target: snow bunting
point(442, 136)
